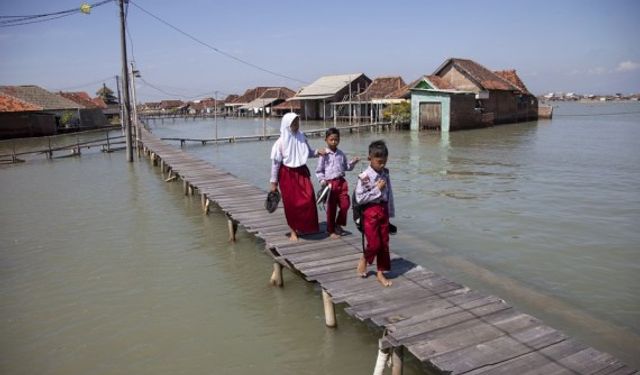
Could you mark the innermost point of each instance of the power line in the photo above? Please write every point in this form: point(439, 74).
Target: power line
point(215, 48)
point(182, 96)
point(86, 84)
point(9, 21)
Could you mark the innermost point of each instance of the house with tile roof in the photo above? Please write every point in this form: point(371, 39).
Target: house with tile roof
point(19, 119)
point(317, 98)
point(92, 116)
point(271, 97)
point(30, 110)
point(463, 94)
point(380, 94)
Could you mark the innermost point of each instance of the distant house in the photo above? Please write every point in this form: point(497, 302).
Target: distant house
point(33, 111)
point(331, 96)
point(20, 119)
point(271, 97)
point(281, 109)
point(172, 106)
point(463, 94)
point(92, 116)
point(233, 107)
point(382, 92)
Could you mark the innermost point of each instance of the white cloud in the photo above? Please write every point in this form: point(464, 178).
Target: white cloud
point(628, 66)
point(589, 71)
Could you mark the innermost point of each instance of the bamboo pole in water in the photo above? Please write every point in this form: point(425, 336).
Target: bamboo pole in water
point(397, 360)
point(276, 276)
point(329, 310)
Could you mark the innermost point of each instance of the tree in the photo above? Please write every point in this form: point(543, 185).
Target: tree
point(399, 113)
point(106, 94)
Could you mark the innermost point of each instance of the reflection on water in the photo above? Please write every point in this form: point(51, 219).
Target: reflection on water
point(108, 266)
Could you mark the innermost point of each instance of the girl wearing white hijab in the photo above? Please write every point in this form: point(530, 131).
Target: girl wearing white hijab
point(289, 156)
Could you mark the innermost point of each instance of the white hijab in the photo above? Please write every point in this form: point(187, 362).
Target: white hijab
point(290, 149)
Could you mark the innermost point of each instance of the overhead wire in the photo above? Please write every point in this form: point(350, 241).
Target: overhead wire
point(217, 50)
point(9, 21)
point(86, 84)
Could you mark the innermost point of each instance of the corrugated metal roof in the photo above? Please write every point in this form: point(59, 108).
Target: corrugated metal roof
point(327, 86)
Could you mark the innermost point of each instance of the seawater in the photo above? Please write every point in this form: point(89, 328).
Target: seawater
point(106, 268)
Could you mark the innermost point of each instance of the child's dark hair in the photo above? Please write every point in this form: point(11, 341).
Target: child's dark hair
point(331, 131)
point(378, 149)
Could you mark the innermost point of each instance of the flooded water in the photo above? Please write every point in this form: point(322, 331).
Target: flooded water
point(108, 269)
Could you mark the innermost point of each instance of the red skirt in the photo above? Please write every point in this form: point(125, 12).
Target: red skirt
point(298, 199)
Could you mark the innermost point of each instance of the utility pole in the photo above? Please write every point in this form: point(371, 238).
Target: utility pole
point(215, 113)
point(350, 101)
point(125, 84)
point(135, 73)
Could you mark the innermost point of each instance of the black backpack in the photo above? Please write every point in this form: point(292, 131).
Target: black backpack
point(357, 210)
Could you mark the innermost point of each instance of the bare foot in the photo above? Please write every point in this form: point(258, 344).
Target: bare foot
point(334, 236)
point(383, 280)
point(294, 236)
point(362, 267)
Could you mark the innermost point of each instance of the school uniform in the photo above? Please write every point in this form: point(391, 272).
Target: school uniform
point(378, 208)
point(331, 169)
point(289, 156)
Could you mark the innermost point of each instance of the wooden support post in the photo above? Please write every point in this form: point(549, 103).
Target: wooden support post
point(162, 167)
point(276, 276)
point(233, 228)
point(206, 206)
point(396, 360)
point(329, 310)
point(171, 176)
point(185, 187)
point(203, 202)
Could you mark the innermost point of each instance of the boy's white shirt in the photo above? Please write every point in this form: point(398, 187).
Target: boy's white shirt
point(367, 191)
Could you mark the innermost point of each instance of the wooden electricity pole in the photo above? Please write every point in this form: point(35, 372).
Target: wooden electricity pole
point(125, 86)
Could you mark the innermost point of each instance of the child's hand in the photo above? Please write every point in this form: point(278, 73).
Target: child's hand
point(323, 182)
point(381, 183)
point(274, 186)
point(355, 160)
point(321, 152)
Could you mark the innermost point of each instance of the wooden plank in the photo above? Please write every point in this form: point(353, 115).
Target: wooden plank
point(457, 331)
point(586, 361)
point(531, 361)
point(498, 350)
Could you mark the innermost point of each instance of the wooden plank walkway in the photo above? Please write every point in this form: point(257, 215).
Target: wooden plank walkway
point(450, 328)
point(309, 133)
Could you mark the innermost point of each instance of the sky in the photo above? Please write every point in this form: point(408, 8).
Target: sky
point(191, 49)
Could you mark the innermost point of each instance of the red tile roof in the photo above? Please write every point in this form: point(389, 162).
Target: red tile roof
point(291, 104)
point(439, 83)
point(11, 104)
point(512, 76)
point(79, 97)
point(380, 88)
point(39, 97)
point(99, 102)
point(479, 75)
